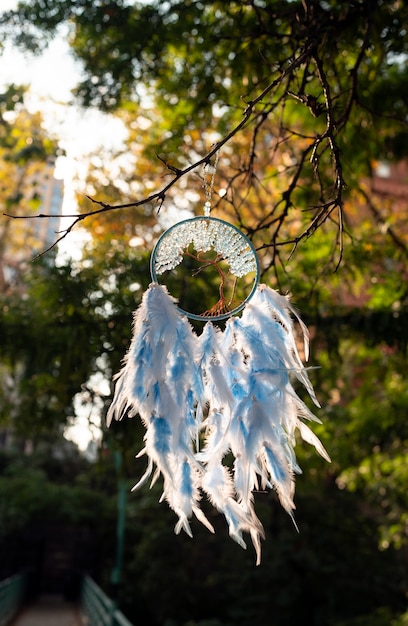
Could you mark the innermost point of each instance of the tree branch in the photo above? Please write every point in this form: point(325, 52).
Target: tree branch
point(178, 173)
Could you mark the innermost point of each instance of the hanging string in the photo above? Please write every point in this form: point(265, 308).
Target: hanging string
point(208, 188)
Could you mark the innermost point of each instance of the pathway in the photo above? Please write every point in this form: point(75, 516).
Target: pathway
point(49, 611)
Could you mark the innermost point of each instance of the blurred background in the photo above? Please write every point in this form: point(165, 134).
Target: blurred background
point(110, 101)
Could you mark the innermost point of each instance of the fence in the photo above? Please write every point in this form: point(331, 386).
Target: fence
point(97, 608)
point(11, 597)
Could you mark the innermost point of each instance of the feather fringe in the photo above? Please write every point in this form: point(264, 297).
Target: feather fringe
point(230, 390)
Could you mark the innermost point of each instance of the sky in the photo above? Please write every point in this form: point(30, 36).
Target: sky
point(51, 78)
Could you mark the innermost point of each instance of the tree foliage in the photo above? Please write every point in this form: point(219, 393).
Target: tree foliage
point(312, 80)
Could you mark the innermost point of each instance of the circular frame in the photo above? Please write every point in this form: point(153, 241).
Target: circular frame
point(248, 246)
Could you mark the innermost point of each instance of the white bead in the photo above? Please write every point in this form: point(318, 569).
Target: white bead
point(205, 234)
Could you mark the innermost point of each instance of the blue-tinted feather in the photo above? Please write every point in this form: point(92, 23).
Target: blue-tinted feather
point(280, 473)
point(162, 434)
point(186, 483)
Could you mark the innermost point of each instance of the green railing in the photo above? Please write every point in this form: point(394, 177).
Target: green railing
point(97, 609)
point(11, 597)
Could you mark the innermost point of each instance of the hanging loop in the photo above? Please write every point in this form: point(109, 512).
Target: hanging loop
point(208, 188)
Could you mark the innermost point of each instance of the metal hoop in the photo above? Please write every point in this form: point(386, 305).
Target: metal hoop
point(205, 234)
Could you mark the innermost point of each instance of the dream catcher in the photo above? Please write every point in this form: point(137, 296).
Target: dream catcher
point(224, 392)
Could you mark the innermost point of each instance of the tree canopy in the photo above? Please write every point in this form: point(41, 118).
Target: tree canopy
point(305, 97)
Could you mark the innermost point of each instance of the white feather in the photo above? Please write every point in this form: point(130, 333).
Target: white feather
point(230, 388)
point(309, 436)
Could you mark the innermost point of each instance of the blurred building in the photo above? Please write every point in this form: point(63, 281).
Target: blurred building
point(23, 239)
point(51, 193)
point(391, 180)
point(20, 241)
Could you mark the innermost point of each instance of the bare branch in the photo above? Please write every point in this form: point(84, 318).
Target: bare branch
point(178, 173)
